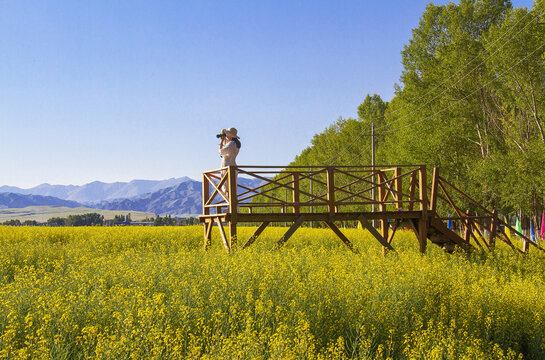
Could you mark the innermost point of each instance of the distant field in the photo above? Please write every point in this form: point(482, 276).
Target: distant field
point(154, 293)
point(43, 213)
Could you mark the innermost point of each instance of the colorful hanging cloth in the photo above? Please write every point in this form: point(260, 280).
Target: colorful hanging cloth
point(449, 223)
point(518, 227)
point(532, 232)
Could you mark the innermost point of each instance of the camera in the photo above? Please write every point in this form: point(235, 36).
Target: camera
point(220, 135)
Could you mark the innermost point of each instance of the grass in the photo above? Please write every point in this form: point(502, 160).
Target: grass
point(126, 292)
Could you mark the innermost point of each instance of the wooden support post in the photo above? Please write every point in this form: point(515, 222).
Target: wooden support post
point(382, 195)
point(222, 233)
point(341, 236)
point(233, 206)
point(295, 196)
point(330, 191)
point(366, 224)
point(232, 235)
point(399, 189)
point(434, 189)
point(290, 232)
point(493, 230)
point(423, 221)
point(256, 234)
point(208, 225)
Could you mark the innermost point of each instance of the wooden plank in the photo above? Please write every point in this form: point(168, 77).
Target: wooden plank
point(341, 236)
point(290, 232)
point(223, 236)
point(366, 224)
point(256, 234)
point(315, 216)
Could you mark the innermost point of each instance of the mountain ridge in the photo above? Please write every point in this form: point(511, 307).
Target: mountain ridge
point(183, 198)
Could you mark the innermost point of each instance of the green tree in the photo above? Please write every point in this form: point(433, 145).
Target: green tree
point(90, 219)
point(56, 221)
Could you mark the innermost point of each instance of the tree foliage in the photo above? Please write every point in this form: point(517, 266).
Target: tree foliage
point(471, 102)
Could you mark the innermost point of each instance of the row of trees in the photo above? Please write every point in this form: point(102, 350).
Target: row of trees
point(95, 219)
point(470, 102)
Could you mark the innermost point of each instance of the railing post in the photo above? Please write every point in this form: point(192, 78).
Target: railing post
point(493, 229)
point(233, 208)
point(423, 190)
point(434, 188)
point(399, 188)
point(412, 185)
point(468, 225)
point(205, 194)
point(330, 190)
point(382, 195)
point(295, 194)
point(423, 222)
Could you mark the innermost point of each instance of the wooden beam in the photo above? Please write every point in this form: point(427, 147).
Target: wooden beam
point(290, 232)
point(394, 229)
point(449, 234)
point(341, 236)
point(256, 234)
point(222, 233)
point(366, 224)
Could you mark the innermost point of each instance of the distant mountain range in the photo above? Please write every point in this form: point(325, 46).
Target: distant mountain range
point(12, 200)
point(97, 191)
point(182, 198)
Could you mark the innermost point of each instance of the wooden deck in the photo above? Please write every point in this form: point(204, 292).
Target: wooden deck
point(392, 196)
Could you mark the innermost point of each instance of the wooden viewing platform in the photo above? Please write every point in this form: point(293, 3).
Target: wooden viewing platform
point(330, 194)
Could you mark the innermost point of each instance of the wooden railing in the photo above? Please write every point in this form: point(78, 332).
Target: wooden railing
point(329, 189)
point(479, 225)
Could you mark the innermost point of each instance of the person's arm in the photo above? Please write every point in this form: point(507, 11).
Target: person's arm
point(228, 149)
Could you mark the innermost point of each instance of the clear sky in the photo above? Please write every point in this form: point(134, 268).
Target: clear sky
point(121, 90)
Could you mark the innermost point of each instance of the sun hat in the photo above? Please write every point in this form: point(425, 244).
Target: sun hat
point(232, 132)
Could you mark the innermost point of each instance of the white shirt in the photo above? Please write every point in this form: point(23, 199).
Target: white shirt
point(228, 154)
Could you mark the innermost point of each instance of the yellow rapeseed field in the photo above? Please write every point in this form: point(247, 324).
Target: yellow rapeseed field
point(153, 293)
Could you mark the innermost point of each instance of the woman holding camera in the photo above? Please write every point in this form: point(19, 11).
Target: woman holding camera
point(229, 151)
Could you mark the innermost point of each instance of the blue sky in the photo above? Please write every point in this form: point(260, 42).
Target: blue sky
point(122, 90)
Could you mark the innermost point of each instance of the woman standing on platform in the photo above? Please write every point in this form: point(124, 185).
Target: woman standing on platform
point(229, 148)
